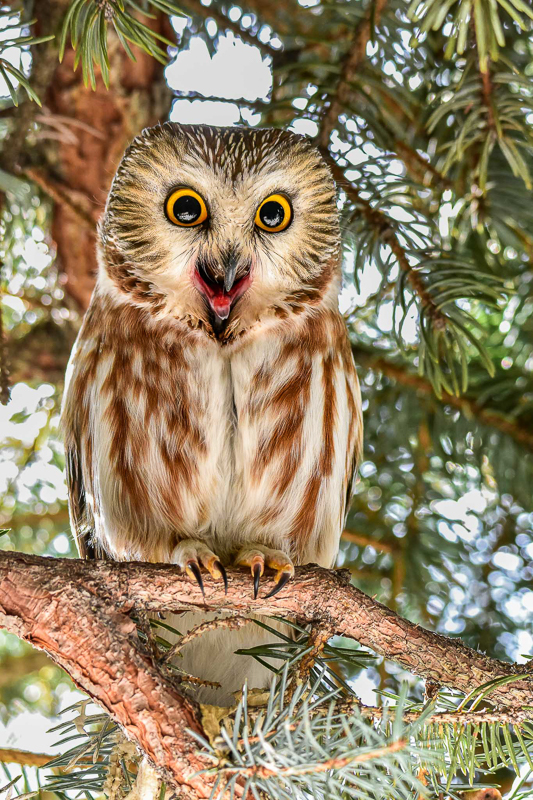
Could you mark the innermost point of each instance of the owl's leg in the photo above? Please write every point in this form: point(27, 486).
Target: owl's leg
point(190, 554)
point(257, 557)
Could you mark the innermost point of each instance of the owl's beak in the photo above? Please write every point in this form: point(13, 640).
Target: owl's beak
point(230, 271)
point(222, 288)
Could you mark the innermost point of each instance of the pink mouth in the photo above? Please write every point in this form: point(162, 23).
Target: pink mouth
point(215, 294)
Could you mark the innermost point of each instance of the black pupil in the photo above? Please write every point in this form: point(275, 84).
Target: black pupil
point(187, 209)
point(272, 214)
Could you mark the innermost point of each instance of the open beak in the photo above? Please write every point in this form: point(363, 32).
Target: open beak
point(222, 287)
point(230, 273)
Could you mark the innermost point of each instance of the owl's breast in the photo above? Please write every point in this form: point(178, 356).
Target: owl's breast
point(151, 423)
point(177, 437)
point(188, 431)
point(296, 439)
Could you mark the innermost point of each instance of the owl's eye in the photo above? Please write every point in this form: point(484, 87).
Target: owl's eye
point(185, 207)
point(274, 214)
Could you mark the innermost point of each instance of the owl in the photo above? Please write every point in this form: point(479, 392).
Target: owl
point(212, 415)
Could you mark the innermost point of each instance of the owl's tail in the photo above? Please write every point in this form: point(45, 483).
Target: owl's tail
point(211, 657)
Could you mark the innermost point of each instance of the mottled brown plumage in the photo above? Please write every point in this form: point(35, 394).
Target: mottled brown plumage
point(213, 413)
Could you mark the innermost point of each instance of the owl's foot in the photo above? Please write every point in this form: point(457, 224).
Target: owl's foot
point(257, 557)
point(190, 554)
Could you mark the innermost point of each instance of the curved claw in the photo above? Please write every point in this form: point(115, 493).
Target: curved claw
point(222, 571)
point(283, 581)
point(257, 571)
point(193, 567)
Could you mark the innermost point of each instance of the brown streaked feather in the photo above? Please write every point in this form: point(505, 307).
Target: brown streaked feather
point(354, 447)
point(77, 503)
point(304, 521)
point(178, 426)
point(329, 414)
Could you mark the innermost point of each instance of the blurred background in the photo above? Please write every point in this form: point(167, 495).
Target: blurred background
point(432, 141)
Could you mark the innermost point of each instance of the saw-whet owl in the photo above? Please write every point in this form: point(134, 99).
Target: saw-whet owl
point(212, 415)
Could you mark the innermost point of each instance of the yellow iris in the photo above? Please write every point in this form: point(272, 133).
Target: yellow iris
point(274, 214)
point(186, 208)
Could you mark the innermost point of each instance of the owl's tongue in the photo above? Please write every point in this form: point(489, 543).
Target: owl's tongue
point(218, 298)
point(221, 304)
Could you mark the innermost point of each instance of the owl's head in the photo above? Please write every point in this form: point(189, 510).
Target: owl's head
point(221, 227)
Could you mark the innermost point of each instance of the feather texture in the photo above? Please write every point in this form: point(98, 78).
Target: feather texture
point(176, 428)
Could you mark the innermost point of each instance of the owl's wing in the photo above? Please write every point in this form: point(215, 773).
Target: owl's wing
point(81, 518)
point(355, 437)
point(78, 441)
point(351, 472)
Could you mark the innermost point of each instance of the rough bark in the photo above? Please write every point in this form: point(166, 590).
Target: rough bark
point(102, 123)
point(80, 135)
point(38, 594)
point(99, 649)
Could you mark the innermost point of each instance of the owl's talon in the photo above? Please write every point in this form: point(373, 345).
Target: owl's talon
point(193, 571)
point(223, 575)
point(257, 571)
point(257, 557)
point(283, 580)
point(192, 555)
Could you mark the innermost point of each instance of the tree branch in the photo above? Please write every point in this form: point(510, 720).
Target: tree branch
point(9, 755)
point(4, 360)
point(60, 194)
point(42, 353)
point(522, 435)
point(76, 610)
point(366, 541)
point(352, 60)
point(489, 716)
point(382, 224)
point(99, 648)
point(263, 771)
point(199, 11)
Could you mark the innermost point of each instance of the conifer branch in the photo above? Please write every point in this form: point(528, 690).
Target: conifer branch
point(352, 60)
point(521, 434)
point(230, 623)
point(486, 92)
point(418, 166)
point(255, 105)
point(381, 223)
point(10, 755)
point(325, 766)
point(60, 517)
point(366, 541)
point(496, 716)
point(492, 716)
point(4, 359)
point(59, 194)
point(269, 12)
point(225, 23)
point(44, 59)
point(76, 610)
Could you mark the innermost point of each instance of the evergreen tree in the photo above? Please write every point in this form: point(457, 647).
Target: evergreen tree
point(425, 115)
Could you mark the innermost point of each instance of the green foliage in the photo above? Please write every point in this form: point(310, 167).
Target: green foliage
point(16, 34)
point(503, 122)
point(486, 16)
point(312, 738)
point(87, 23)
point(304, 746)
point(410, 248)
point(434, 146)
